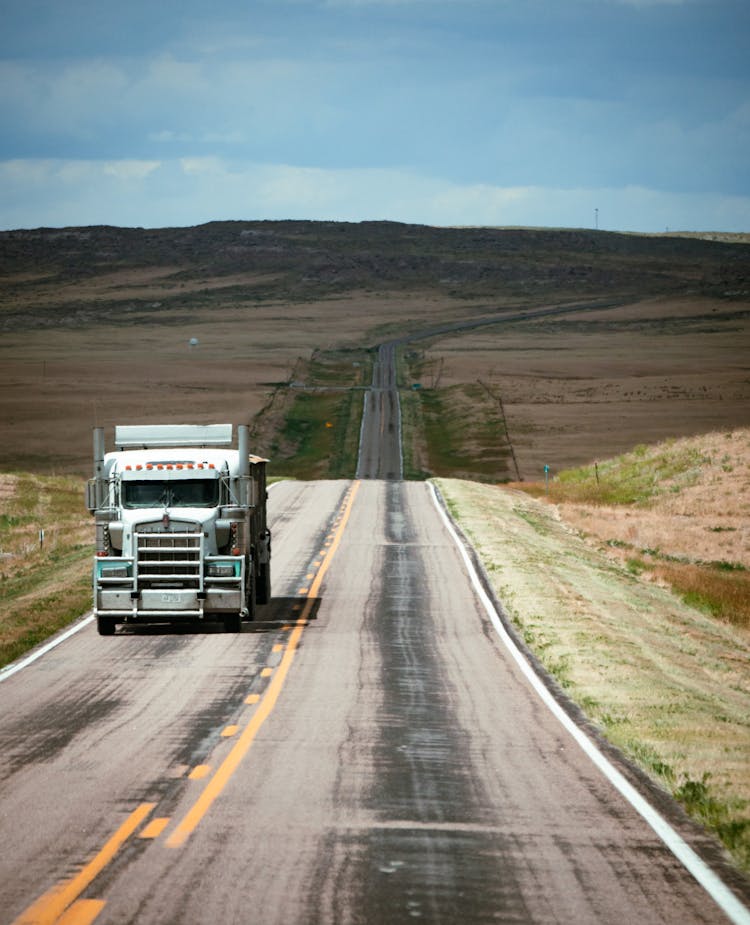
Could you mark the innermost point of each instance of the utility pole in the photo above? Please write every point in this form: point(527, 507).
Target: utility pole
point(596, 219)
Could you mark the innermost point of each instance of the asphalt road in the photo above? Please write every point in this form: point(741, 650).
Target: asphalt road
point(367, 752)
point(380, 434)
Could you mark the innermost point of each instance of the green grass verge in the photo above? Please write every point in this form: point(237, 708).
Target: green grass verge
point(318, 434)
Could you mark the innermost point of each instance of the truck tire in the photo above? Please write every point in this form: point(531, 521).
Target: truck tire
point(263, 589)
point(105, 626)
point(250, 602)
point(232, 623)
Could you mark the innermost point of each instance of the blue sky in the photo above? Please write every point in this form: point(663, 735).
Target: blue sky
point(631, 113)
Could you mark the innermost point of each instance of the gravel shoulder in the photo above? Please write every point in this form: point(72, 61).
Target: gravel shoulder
point(667, 684)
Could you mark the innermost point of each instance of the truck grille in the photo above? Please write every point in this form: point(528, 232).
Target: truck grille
point(169, 559)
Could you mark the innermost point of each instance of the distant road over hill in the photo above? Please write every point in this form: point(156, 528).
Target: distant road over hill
point(380, 437)
point(380, 446)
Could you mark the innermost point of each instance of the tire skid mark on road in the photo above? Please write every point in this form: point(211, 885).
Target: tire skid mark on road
point(62, 905)
point(224, 772)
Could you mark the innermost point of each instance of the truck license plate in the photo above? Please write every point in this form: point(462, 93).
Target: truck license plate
point(170, 598)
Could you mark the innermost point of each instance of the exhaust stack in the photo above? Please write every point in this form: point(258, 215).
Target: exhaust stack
point(100, 483)
point(243, 446)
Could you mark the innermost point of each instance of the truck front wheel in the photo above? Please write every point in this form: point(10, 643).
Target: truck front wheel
point(105, 626)
point(263, 590)
point(232, 623)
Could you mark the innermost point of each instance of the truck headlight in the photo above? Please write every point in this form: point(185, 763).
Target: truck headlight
point(113, 571)
point(221, 570)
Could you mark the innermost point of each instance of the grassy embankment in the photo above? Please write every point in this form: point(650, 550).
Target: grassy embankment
point(664, 673)
point(675, 513)
point(458, 430)
point(43, 587)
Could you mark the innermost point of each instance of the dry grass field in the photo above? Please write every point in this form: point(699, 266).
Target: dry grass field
point(590, 384)
point(45, 582)
point(95, 326)
point(700, 512)
point(58, 383)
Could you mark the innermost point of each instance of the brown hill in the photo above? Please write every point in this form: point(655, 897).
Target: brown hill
point(97, 324)
point(309, 260)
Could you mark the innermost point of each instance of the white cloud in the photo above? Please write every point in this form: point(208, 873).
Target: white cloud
point(195, 190)
point(130, 170)
point(202, 165)
point(652, 2)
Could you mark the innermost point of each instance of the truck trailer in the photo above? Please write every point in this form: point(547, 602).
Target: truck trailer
point(181, 531)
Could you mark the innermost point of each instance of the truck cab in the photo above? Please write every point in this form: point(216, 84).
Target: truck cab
point(181, 530)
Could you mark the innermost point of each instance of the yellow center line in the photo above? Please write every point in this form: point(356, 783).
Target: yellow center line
point(226, 769)
point(154, 828)
point(82, 912)
point(49, 907)
point(199, 771)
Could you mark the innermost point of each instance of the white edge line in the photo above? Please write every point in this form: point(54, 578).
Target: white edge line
point(11, 669)
point(361, 431)
point(400, 437)
point(733, 908)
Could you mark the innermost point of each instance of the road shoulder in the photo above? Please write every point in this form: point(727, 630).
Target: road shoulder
point(663, 682)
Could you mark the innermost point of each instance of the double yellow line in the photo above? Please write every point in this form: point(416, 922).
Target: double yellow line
point(61, 905)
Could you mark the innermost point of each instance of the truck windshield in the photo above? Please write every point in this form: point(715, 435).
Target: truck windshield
point(182, 493)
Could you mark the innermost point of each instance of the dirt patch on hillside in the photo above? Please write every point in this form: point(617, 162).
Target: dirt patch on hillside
point(147, 284)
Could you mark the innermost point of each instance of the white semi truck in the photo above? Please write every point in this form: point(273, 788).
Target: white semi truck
point(181, 530)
